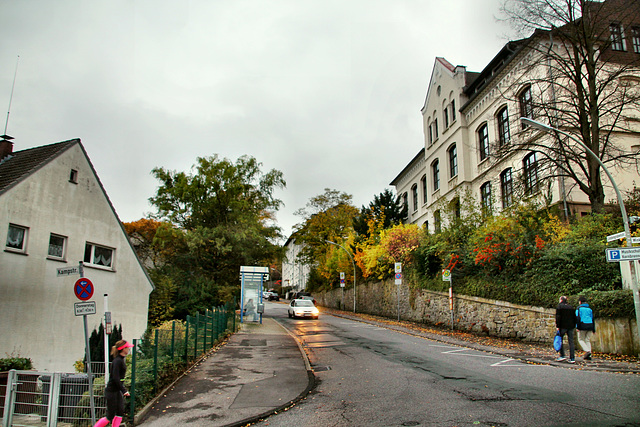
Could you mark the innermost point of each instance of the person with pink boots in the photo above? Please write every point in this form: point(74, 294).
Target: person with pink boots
point(115, 391)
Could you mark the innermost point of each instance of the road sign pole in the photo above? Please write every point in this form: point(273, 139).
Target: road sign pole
point(106, 339)
point(88, 355)
point(451, 301)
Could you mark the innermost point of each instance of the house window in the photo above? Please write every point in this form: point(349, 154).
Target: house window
point(17, 238)
point(635, 39)
point(98, 255)
point(57, 246)
point(485, 197)
point(526, 104)
point(483, 141)
point(506, 185)
point(405, 201)
point(453, 162)
point(423, 183)
point(435, 128)
point(437, 221)
point(530, 165)
point(503, 127)
point(456, 208)
point(617, 37)
point(435, 171)
point(430, 134)
point(414, 196)
point(445, 114)
point(453, 110)
point(73, 176)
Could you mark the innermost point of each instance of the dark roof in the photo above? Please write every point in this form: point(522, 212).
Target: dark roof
point(21, 164)
point(480, 81)
point(416, 158)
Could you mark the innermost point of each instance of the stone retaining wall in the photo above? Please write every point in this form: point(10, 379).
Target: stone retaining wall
point(479, 315)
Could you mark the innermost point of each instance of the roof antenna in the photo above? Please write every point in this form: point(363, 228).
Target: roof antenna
point(5, 136)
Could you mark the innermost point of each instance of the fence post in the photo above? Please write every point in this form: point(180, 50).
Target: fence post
point(206, 329)
point(234, 314)
point(155, 362)
point(132, 392)
point(195, 345)
point(186, 340)
point(173, 338)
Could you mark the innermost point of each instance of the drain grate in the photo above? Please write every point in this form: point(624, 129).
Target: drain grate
point(321, 368)
point(411, 423)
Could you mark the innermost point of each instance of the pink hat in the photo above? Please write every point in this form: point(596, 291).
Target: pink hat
point(125, 345)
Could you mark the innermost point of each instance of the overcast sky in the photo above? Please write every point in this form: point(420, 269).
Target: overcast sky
point(328, 92)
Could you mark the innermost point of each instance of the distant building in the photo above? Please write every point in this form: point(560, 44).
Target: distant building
point(294, 273)
point(471, 123)
point(55, 213)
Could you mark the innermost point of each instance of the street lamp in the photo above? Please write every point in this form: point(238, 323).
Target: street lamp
point(354, 272)
point(625, 219)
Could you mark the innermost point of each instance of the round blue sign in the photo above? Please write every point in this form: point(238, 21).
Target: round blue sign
point(83, 289)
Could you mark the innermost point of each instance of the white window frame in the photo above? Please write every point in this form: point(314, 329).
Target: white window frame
point(91, 257)
point(25, 239)
point(63, 256)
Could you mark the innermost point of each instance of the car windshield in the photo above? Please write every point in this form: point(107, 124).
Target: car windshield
point(304, 303)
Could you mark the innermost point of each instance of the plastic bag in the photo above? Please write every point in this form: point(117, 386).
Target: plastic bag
point(557, 341)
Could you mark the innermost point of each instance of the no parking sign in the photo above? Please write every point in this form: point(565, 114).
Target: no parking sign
point(83, 289)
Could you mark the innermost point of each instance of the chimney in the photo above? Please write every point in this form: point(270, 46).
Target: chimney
point(6, 146)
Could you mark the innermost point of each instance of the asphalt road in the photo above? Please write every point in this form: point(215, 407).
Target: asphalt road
point(371, 376)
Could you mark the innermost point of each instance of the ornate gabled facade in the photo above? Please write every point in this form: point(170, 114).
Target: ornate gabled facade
point(475, 144)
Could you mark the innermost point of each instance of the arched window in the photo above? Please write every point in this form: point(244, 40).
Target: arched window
point(435, 173)
point(437, 221)
point(506, 187)
point(530, 167)
point(414, 196)
point(423, 184)
point(453, 161)
point(526, 104)
point(504, 135)
point(445, 115)
point(485, 198)
point(483, 141)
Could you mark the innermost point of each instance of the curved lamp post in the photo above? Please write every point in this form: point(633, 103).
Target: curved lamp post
point(354, 272)
point(625, 219)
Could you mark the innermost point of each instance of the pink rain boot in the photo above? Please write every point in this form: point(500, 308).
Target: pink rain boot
point(116, 421)
point(102, 422)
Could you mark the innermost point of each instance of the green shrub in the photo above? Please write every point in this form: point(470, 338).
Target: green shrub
point(17, 363)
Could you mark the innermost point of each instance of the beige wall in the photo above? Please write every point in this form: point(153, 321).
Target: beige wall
point(36, 306)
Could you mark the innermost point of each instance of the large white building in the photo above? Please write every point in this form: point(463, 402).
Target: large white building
point(471, 123)
point(294, 273)
point(54, 213)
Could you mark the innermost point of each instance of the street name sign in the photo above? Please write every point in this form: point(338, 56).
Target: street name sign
point(623, 254)
point(68, 271)
point(616, 236)
point(84, 308)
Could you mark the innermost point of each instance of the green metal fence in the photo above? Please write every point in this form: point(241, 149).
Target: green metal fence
point(163, 355)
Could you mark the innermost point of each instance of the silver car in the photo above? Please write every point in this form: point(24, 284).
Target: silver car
point(303, 308)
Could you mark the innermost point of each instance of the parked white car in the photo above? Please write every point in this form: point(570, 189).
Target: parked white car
point(303, 308)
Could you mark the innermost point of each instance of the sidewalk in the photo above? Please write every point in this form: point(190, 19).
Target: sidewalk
point(259, 371)
point(262, 370)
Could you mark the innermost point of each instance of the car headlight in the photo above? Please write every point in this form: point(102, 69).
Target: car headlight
point(315, 311)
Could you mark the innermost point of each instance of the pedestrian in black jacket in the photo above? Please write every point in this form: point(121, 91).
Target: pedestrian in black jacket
point(566, 324)
point(115, 391)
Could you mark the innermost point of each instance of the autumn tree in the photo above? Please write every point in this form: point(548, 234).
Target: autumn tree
point(385, 211)
point(217, 217)
point(581, 76)
point(328, 216)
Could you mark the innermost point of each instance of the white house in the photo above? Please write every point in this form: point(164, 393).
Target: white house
point(55, 213)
